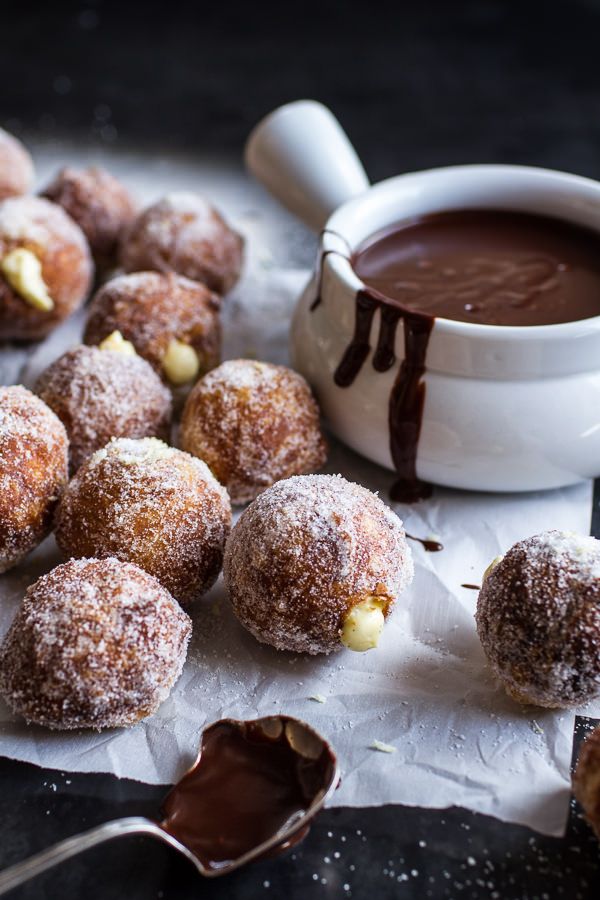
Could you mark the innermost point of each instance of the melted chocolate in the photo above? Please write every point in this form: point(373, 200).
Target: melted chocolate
point(483, 266)
point(430, 546)
point(493, 267)
point(317, 301)
point(472, 587)
point(246, 786)
point(405, 410)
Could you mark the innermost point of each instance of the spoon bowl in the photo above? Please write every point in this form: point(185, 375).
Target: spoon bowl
point(277, 751)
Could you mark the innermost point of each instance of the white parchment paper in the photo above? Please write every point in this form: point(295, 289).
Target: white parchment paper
point(425, 691)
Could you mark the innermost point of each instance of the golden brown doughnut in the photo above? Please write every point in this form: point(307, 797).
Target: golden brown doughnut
point(538, 619)
point(158, 313)
point(253, 424)
point(150, 504)
point(100, 394)
point(33, 472)
point(16, 166)
point(102, 207)
point(316, 563)
point(45, 267)
point(95, 644)
point(183, 233)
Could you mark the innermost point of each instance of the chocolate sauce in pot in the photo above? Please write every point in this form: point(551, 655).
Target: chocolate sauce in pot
point(492, 267)
point(247, 784)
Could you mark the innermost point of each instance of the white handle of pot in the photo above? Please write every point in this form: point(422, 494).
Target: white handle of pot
point(303, 157)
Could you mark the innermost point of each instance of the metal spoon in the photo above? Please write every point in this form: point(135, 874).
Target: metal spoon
point(296, 739)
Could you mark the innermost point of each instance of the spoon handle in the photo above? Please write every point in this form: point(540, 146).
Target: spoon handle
point(23, 871)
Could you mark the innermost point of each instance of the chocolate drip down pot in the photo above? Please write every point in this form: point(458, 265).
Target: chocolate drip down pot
point(504, 408)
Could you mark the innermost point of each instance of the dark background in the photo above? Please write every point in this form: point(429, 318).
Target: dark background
point(415, 84)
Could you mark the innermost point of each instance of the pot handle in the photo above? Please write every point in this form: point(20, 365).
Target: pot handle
point(303, 157)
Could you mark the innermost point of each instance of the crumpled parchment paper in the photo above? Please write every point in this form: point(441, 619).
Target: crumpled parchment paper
point(425, 691)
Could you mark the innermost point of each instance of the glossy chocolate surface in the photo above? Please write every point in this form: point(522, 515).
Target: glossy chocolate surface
point(251, 780)
point(491, 267)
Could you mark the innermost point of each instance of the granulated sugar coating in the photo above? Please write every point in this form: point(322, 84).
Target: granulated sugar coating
point(150, 310)
point(16, 167)
point(538, 618)
point(150, 504)
point(95, 644)
point(183, 233)
point(33, 472)
point(308, 550)
point(43, 228)
point(102, 207)
point(254, 424)
point(101, 394)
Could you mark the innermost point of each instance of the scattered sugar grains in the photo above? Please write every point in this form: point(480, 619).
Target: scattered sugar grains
point(294, 542)
point(538, 619)
point(95, 643)
point(383, 748)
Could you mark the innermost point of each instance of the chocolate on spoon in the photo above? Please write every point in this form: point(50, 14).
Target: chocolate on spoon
point(252, 792)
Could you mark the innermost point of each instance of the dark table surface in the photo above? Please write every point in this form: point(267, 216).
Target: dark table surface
point(415, 85)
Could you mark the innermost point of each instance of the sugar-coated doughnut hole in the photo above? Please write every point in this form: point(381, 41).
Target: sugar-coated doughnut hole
point(103, 393)
point(314, 563)
point(33, 472)
point(171, 321)
point(538, 619)
point(95, 644)
point(183, 233)
point(45, 267)
point(253, 423)
point(150, 504)
point(99, 203)
point(16, 166)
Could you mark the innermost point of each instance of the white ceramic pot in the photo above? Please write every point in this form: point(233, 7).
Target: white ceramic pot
point(506, 408)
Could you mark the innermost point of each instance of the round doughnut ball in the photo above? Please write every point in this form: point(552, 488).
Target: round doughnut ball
point(253, 424)
point(315, 563)
point(95, 644)
point(100, 394)
point(183, 233)
point(16, 166)
point(538, 619)
point(102, 207)
point(152, 505)
point(45, 267)
point(171, 321)
point(33, 472)
point(586, 780)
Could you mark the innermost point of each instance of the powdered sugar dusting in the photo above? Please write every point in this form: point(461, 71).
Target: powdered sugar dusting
point(538, 618)
point(101, 394)
point(150, 504)
point(304, 552)
point(39, 221)
point(96, 643)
